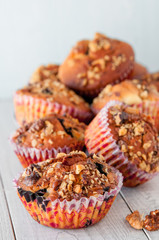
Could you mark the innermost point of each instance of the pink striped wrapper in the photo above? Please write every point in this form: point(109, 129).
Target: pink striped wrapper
point(28, 108)
point(28, 155)
point(99, 140)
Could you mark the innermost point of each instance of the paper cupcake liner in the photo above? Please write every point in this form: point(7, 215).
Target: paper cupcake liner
point(28, 108)
point(99, 140)
point(68, 214)
point(29, 156)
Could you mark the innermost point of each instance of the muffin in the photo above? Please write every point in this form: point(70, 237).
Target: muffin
point(42, 98)
point(137, 93)
point(127, 140)
point(46, 137)
point(138, 72)
point(92, 64)
point(70, 191)
point(44, 72)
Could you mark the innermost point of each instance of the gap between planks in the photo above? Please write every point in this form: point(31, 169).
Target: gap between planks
point(5, 197)
point(131, 210)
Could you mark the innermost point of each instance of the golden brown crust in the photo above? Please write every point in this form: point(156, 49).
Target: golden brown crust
point(54, 91)
point(138, 72)
point(69, 176)
point(44, 72)
point(93, 64)
point(129, 91)
point(136, 137)
point(53, 131)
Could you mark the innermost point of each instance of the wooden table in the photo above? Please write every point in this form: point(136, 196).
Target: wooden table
point(16, 223)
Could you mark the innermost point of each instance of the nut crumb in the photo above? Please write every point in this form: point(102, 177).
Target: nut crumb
point(135, 220)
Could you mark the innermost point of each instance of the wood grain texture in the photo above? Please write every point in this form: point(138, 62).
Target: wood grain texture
point(112, 227)
point(144, 198)
point(6, 231)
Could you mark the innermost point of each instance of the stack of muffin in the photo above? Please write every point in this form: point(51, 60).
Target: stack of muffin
point(101, 85)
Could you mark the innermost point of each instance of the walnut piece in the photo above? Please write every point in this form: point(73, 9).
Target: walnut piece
point(151, 222)
point(79, 168)
point(135, 220)
point(77, 189)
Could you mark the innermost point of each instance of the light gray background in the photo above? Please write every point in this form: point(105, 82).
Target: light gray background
point(34, 32)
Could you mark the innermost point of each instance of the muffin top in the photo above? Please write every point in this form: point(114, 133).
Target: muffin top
point(135, 136)
point(54, 91)
point(129, 91)
point(152, 78)
point(138, 72)
point(45, 72)
point(51, 132)
point(93, 64)
point(69, 176)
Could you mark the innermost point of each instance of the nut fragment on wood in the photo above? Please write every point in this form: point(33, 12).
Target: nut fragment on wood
point(135, 220)
point(151, 222)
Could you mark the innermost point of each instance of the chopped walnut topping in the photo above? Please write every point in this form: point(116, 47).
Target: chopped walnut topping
point(117, 119)
point(77, 189)
point(61, 155)
point(99, 61)
point(136, 137)
point(50, 171)
point(63, 185)
point(49, 128)
point(122, 131)
point(81, 75)
point(61, 133)
point(123, 148)
point(79, 168)
point(117, 60)
point(71, 177)
point(147, 145)
point(138, 130)
point(99, 44)
point(135, 220)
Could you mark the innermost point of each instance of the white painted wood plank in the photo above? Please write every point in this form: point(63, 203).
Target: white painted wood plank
point(6, 231)
point(112, 227)
point(144, 198)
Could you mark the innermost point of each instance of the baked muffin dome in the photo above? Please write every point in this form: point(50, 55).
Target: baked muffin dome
point(91, 65)
point(40, 99)
point(127, 140)
point(44, 72)
point(77, 189)
point(90, 176)
point(131, 92)
point(46, 137)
